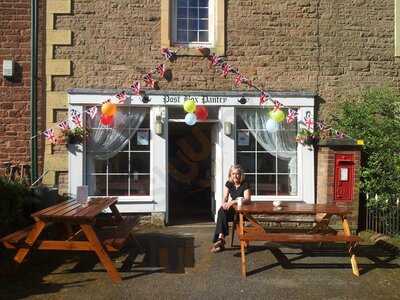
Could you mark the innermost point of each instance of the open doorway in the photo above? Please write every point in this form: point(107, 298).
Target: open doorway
point(189, 173)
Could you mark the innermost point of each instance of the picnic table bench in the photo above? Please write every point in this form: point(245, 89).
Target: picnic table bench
point(256, 232)
point(83, 231)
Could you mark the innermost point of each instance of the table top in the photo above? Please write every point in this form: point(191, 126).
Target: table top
point(74, 211)
point(294, 208)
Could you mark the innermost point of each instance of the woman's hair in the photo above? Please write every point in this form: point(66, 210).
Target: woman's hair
point(236, 167)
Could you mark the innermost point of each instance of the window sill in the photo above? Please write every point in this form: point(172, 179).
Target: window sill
point(186, 51)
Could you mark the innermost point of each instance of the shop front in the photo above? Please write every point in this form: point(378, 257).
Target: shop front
point(155, 163)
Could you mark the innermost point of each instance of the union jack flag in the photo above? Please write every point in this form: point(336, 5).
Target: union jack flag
point(76, 118)
point(309, 122)
point(168, 53)
point(136, 88)
point(291, 116)
point(277, 105)
point(64, 125)
point(161, 69)
point(226, 68)
point(92, 112)
point(263, 98)
point(49, 134)
point(121, 97)
point(215, 60)
point(239, 79)
point(339, 134)
point(149, 81)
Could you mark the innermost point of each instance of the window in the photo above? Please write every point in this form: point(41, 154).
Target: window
point(126, 171)
point(192, 22)
point(189, 24)
point(269, 159)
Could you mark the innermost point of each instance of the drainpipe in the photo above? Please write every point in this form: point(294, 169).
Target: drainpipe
point(33, 94)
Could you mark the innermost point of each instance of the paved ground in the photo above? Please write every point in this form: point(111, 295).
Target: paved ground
point(185, 269)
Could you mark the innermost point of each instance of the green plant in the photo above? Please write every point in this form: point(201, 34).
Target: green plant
point(74, 135)
point(374, 116)
point(14, 203)
point(307, 137)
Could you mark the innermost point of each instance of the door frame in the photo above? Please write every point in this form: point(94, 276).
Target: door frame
point(216, 125)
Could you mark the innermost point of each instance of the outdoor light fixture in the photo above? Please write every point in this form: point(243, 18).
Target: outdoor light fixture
point(228, 128)
point(242, 100)
point(145, 99)
point(158, 125)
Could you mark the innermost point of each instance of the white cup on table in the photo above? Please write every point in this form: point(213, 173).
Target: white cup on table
point(239, 201)
point(276, 203)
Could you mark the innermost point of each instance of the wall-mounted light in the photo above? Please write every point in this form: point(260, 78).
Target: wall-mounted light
point(228, 128)
point(242, 100)
point(159, 125)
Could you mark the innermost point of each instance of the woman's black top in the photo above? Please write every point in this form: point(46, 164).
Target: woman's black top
point(237, 191)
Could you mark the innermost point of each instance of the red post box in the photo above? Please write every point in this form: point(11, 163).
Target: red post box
point(344, 177)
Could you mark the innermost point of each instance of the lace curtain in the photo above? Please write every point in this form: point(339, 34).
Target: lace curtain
point(281, 144)
point(105, 142)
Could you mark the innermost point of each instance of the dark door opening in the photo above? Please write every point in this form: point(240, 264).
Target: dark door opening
point(189, 173)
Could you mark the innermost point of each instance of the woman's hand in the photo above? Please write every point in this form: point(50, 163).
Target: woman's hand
point(227, 205)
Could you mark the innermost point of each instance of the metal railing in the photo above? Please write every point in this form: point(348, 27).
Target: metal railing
point(383, 216)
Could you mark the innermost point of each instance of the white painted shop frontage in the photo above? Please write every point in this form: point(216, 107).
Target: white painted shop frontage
point(155, 163)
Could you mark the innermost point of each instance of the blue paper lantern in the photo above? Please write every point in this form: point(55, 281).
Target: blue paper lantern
point(190, 119)
point(272, 126)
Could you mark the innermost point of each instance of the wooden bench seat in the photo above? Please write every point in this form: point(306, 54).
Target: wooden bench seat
point(115, 238)
point(112, 237)
point(10, 241)
point(298, 238)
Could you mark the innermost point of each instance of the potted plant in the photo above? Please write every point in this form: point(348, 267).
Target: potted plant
point(307, 137)
point(72, 135)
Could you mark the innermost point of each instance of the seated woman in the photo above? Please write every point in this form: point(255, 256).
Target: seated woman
point(235, 187)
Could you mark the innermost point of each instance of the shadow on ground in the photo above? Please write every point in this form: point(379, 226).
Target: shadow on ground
point(380, 255)
point(146, 254)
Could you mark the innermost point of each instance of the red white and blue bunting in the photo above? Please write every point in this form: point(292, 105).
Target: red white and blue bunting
point(160, 70)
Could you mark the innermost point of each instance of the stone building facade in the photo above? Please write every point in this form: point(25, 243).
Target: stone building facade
point(330, 49)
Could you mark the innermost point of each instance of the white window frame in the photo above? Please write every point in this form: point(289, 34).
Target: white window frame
point(259, 150)
point(305, 157)
point(156, 201)
point(211, 27)
point(124, 174)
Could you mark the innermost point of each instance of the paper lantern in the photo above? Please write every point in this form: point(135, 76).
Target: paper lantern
point(108, 109)
point(189, 106)
point(106, 120)
point(190, 119)
point(201, 113)
point(272, 126)
point(277, 115)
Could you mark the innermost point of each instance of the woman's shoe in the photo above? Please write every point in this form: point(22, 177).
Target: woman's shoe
point(218, 246)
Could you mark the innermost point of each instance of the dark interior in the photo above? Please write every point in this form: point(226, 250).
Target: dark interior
point(189, 164)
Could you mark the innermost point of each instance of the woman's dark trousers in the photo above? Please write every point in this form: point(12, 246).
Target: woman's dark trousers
point(224, 216)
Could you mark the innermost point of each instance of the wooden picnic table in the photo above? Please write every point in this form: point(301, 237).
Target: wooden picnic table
point(80, 234)
point(320, 233)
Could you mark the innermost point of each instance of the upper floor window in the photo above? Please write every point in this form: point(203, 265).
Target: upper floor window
point(192, 22)
point(189, 24)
